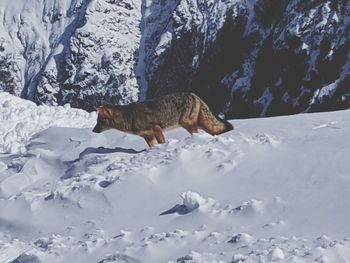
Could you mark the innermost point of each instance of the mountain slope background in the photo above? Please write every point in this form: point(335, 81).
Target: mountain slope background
point(245, 58)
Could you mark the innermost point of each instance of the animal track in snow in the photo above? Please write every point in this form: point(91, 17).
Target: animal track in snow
point(326, 125)
point(249, 207)
point(263, 139)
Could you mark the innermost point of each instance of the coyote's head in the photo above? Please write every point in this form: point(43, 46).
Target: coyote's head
point(106, 113)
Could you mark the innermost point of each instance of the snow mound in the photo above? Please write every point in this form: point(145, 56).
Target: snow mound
point(191, 201)
point(20, 119)
point(276, 254)
point(241, 238)
point(252, 206)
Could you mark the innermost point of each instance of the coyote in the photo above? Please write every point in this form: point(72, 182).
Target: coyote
point(148, 119)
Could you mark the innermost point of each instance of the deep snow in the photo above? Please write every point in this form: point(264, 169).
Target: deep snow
point(272, 190)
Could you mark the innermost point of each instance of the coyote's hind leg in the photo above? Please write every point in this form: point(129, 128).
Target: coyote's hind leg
point(191, 128)
point(189, 120)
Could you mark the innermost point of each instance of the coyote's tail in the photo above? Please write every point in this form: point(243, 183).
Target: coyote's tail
point(210, 123)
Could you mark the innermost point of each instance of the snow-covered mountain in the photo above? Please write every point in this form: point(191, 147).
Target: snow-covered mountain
point(70, 51)
point(272, 190)
point(244, 57)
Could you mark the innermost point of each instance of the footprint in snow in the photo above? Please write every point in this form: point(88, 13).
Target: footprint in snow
point(263, 139)
point(105, 183)
point(249, 207)
point(241, 238)
point(26, 258)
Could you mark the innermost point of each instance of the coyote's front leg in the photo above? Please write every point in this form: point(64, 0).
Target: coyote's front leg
point(158, 132)
point(150, 139)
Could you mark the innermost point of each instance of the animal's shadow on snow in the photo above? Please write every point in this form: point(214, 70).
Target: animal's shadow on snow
point(180, 210)
point(103, 150)
point(93, 150)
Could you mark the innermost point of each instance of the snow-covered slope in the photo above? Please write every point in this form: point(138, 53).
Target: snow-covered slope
point(272, 190)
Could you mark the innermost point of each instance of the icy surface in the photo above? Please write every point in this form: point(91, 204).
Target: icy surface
point(272, 190)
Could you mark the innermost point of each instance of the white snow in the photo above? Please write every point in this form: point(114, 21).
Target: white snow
point(272, 190)
point(164, 42)
point(20, 119)
point(276, 254)
point(329, 90)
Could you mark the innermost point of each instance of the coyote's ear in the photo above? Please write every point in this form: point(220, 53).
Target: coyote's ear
point(105, 112)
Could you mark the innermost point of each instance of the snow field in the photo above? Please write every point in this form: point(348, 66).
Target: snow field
point(272, 190)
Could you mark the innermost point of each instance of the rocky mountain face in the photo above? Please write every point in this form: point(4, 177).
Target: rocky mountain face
point(246, 58)
point(256, 58)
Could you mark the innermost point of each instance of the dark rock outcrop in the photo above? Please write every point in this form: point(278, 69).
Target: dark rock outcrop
point(261, 58)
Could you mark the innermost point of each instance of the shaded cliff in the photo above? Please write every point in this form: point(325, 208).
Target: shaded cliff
point(256, 58)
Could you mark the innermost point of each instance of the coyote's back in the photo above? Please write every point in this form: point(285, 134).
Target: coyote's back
point(149, 118)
